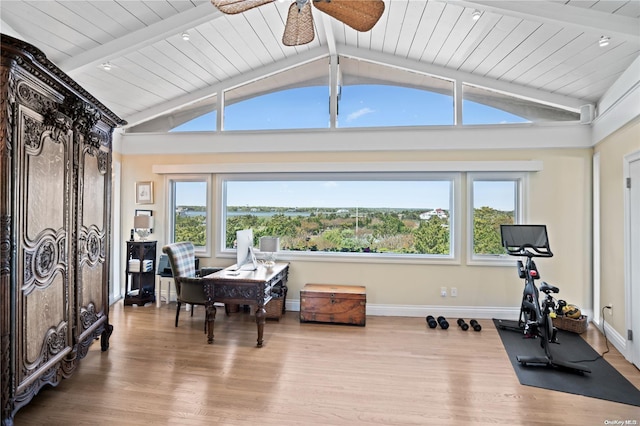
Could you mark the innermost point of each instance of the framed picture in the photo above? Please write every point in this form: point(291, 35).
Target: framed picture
point(140, 212)
point(144, 192)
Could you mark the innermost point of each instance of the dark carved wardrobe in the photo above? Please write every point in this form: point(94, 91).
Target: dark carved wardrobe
point(55, 191)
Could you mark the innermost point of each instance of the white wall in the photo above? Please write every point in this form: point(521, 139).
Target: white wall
point(616, 133)
point(560, 196)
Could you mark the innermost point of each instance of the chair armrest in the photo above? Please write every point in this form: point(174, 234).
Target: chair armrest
point(191, 290)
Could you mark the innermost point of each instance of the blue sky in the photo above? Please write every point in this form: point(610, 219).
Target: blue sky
point(336, 194)
point(359, 106)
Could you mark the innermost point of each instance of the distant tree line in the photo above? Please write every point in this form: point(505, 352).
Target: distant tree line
point(371, 231)
point(191, 227)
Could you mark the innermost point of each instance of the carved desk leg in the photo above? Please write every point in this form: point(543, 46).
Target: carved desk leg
point(284, 289)
point(261, 318)
point(211, 317)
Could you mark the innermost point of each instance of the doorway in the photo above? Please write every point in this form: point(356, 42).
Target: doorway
point(632, 253)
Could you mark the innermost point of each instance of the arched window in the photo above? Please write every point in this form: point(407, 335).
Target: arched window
point(205, 122)
point(369, 95)
point(375, 105)
point(485, 106)
point(299, 108)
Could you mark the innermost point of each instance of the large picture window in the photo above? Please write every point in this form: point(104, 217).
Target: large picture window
point(388, 214)
point(190, 211)
point(494, 199)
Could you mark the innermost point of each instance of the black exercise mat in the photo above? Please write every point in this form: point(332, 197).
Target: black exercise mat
point(604, 381)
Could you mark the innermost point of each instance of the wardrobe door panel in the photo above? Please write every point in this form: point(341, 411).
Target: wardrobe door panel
point(92, 240)
point(43, 309)
point(46, 187)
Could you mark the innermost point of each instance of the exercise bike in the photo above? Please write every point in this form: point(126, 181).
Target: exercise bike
point(535, 319)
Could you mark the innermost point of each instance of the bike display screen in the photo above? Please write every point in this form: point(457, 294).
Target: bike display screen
point(516, 236)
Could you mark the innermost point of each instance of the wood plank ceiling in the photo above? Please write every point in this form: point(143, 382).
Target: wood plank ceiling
point(546, 50)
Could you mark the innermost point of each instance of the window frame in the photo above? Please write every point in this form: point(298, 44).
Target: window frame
point(454, 217)
point(170, 180)
point(521, 204)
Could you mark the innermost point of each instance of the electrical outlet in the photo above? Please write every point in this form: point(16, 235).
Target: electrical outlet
point(610, 305)
point(443, 291)
point(454, 292)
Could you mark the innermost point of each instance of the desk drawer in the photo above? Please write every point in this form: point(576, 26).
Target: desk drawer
point(333, 304)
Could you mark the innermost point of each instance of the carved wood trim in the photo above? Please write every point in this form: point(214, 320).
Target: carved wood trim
point(7, 383)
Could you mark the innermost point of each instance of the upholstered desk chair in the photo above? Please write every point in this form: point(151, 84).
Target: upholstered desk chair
point(189, 288)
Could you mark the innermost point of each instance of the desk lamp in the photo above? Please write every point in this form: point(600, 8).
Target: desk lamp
point(143, 224)
point(269, 246)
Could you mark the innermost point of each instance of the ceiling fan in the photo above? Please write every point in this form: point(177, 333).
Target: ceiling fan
point(361, 15)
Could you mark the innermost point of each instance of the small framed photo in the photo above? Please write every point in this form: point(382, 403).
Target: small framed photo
point(140, 212)
point(144, 192)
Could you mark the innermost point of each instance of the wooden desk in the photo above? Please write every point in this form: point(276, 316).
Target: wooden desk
point(245, 288)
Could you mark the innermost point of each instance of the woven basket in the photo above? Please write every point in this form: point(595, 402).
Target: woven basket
point(274, 308)
point(577, 325)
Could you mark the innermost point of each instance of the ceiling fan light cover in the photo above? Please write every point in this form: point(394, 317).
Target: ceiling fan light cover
point(299, 27)
point(361, 15)
point(232, 7)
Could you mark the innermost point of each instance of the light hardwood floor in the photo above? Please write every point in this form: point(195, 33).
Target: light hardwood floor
point(394, 371)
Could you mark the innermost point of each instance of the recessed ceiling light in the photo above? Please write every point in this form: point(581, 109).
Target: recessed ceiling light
point(476, 15)
point(604, 41)
point(106, 66)
point(185, 36)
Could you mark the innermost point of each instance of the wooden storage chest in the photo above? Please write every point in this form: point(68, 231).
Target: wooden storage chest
point(337, 304)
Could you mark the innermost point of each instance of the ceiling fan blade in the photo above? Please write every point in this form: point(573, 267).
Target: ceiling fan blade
point(299, 27)
point(361, 15)
point(238, 6)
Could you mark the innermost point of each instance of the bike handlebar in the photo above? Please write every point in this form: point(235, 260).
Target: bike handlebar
point(523, 250)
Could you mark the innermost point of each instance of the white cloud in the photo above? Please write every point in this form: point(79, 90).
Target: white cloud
point(359, 113)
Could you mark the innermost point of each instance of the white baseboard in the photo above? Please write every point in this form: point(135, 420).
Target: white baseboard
point(615, 338)
point(477, 312)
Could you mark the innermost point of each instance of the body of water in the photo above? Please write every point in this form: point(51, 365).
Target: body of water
point(244, 213)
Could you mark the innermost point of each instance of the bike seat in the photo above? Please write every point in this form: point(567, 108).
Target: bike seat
point(548, 288)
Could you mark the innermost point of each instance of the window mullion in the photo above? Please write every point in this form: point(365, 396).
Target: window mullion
point(334, 84)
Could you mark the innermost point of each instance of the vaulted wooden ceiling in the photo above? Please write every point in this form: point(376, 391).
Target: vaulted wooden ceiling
point(547, 50)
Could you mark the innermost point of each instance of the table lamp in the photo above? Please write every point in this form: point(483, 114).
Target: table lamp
point(269, 246)
point(143, 224)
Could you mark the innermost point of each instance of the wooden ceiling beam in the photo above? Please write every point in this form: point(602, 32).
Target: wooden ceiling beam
point(584, 19)
point(134, 41)
point(518, 90)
